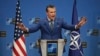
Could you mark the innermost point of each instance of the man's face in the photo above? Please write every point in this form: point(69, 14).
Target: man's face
point(51, 13)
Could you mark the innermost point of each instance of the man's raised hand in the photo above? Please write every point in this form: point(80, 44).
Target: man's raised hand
point(22, 26)
point(81, 22)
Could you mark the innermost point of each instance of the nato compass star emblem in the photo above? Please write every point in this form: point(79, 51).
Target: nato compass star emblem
point(75, 41)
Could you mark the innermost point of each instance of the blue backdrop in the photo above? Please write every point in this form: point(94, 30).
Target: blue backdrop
point(36, 8)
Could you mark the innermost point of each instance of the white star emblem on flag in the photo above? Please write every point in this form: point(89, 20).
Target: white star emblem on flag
point(74, 40)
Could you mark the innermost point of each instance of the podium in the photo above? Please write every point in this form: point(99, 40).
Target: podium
point(52, 47)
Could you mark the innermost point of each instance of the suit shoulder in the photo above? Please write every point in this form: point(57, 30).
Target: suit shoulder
point(59, 19)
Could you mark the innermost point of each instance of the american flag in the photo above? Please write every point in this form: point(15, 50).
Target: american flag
point(19, 48)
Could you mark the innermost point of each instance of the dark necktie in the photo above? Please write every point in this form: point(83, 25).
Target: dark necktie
point(51, 25)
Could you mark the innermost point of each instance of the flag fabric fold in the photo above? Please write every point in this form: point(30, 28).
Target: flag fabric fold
point(75, 48)
point(19, 48)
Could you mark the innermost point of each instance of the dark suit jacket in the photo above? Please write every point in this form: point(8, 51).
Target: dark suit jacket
point(46, 32)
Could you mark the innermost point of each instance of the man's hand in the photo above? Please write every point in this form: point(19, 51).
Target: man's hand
point(22, 27)
point(81, 23)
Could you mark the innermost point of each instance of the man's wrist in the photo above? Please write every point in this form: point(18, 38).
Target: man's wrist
point(77, 26)
point(27, 30)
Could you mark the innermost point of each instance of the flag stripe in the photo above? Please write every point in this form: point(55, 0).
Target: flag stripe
point(15, 53)
point(22, 42)
point(16, 46)
point(19, 45)
point(22, 45)
point(23, 38)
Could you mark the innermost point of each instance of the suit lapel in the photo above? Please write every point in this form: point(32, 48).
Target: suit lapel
point(56, 24)
point(47, 25)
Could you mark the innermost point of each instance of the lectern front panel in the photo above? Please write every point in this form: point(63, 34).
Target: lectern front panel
point(52, 48)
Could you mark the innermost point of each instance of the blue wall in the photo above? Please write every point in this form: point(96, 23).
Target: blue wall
point(36, 8)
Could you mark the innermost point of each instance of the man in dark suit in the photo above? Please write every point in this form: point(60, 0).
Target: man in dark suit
point(51, 27)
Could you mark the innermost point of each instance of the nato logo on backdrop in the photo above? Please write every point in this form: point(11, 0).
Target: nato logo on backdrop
point(2, 33)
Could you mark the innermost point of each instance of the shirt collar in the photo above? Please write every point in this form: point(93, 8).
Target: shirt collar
point(49, 19)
